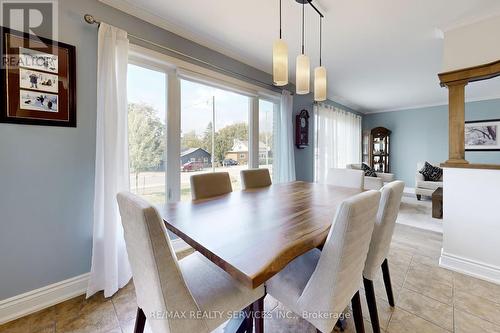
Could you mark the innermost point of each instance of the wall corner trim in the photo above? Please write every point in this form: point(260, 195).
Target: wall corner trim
point(39, 299)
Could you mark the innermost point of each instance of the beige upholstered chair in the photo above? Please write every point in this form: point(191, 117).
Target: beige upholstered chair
point(164, 285)
point(390, 201)
point(373, 183)
point(255, 178)
point(208, 185)
point(322, 283)
point(346, 178)
point(425, 187)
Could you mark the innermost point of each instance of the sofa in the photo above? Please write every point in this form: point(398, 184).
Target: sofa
point(373, 183)
point(425, 187)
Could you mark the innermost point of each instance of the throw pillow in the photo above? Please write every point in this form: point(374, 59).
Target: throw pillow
point(431, 172)
point(369, 172)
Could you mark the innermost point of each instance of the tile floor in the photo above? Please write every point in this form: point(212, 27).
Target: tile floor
point(428, 299)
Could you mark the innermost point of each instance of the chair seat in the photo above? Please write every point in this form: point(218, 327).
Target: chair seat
point(215, 290)
point(429, 185)
point(287, 285)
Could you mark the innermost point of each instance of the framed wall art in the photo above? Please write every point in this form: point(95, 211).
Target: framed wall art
point(38, 80)
point(482, 135)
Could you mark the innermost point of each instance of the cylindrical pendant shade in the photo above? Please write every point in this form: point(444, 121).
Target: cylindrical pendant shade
point(280, 63)
point(320, 84)
point(303, 72)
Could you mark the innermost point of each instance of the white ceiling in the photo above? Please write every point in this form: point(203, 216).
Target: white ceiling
point(380, 55)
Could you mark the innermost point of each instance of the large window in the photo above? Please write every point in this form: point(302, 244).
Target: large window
point(214, 133)
point(186, 121)
point(146, 128)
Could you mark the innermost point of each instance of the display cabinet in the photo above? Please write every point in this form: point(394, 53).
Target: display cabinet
point(380, 149)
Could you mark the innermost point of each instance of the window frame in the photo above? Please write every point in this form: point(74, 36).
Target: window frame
point(176, 69)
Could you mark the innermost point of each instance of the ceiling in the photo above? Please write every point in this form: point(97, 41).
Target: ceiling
point(380, 55)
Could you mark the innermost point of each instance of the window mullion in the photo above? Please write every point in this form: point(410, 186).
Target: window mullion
point(253, 132)
point(173, 175)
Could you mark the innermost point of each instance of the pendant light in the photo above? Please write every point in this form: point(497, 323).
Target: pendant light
point(320, 74)
point(303, 67)
point(280, 60)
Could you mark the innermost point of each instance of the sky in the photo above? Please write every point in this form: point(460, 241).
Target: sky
point(150, 87)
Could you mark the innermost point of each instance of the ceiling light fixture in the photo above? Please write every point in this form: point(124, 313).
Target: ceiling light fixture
point(280, 60)
point(320, 73)
point(303, 64)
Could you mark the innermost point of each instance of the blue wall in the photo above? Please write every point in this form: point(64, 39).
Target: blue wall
point(422, 135)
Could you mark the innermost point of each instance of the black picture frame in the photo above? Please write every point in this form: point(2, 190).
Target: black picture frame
point(69, 62)
point(479, 122)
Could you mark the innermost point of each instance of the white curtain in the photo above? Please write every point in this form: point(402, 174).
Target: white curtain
point(110, 267)
point(284, 158)
point(338, 139)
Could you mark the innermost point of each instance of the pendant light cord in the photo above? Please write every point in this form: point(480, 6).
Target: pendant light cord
point(280, 19)
point(303, 20)
point(320, 39)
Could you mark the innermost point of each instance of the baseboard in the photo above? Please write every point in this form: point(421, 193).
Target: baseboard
point(39, 299)
point(470, 267)
point(409, 191)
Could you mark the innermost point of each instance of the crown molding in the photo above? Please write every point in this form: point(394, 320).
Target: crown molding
point(423, 106)
point(464, 23)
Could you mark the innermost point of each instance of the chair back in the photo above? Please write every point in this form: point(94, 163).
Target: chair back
point(159, 285)
point(388, 210)
point(346, 178)
point(210, 185)
point(354, 166)
point(255, 178)
point(338, 273)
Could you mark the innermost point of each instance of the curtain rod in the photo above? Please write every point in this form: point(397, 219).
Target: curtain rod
point(91, 20)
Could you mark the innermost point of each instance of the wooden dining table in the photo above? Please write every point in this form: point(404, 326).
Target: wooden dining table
point(254, 234)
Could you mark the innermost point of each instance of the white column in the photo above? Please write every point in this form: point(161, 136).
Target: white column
point(471, 236)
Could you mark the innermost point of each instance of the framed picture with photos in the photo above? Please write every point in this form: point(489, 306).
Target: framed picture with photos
point(38, 80)
point(482, 135)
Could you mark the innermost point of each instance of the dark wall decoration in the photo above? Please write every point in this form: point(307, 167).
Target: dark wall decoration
point(38, 80)
point(482, 135)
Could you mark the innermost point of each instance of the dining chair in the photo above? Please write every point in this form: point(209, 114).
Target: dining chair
point(346, 178)
point(208, 185)
point(319, 284)
point(388, 210)
point(171, 292)
point(255, 178)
